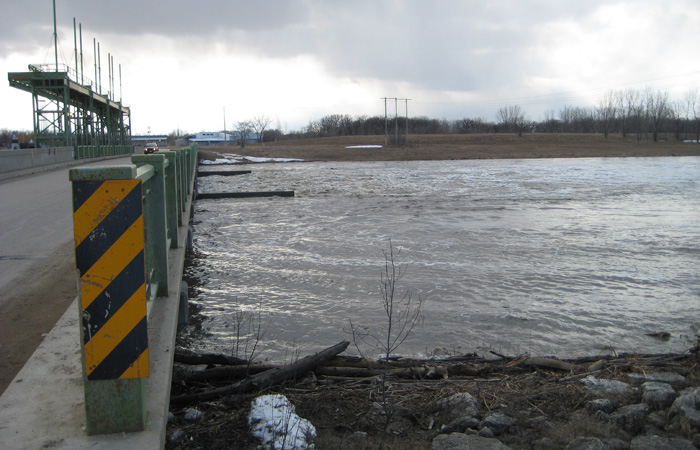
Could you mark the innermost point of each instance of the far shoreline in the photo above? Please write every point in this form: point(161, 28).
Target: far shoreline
point(460, 147)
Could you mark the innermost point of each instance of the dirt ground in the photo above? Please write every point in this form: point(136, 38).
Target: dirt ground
point(461, 146)
point(549, 406)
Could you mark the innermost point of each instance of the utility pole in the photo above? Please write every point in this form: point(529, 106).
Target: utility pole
point(386, 121)
point(225, 138)
point(386, 136)
point(55, 35)
point(406, 100)
point(75, 45)
point(396, 120)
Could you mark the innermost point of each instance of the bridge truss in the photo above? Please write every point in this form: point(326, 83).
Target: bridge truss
point(68, 113)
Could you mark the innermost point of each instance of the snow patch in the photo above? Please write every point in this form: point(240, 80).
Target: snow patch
point(238, 159)
point(272, 420)
point(364, 146)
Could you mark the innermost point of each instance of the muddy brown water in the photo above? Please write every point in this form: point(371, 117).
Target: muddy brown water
point(564, 257)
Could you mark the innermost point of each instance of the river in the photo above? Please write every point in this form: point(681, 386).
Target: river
point(563, 257)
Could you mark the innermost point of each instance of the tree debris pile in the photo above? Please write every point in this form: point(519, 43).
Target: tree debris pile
point(523, 402)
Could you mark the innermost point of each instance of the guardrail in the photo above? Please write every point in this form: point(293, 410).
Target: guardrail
point(126, 219)
point(98, 151)
point(32, 158)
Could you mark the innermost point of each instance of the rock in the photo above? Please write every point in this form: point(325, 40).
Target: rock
point(543, 444)
point(176, 436)
point(458, 441)
point(586, 443)
point(600, 404)
point(486, 432)
point(601, 388)
point(460, 425)
point(458, 406)
point(631, 418)
point(660, 443)
point(192, 414)
point(535, 422)
point(661, 335)
point(657, 419)
point(616, 444)
point(676, 380)
point(686, 406)
point(657, 395)
point(611, 386)
point(498, 423)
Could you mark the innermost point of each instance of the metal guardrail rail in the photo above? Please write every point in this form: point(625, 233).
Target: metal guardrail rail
point(126, 219)
point(99, 151)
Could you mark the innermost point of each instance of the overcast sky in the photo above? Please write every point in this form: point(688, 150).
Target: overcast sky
point(184, 62)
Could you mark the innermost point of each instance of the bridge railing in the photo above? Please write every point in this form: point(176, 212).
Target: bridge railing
point(126, 218)
point(99, 151)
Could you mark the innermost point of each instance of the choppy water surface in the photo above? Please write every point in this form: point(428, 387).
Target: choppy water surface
point(563, 257)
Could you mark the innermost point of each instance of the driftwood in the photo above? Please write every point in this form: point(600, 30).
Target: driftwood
point(265, 379)
point(330, 368)
point(184, 356)
point(228, 372)
point(210, 195)
point(547, 363)
point(222, 173)
point(425, 371)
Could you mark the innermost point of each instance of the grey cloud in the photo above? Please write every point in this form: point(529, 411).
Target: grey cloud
point(444, 45)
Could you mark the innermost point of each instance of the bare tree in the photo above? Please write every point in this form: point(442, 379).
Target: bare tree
point(693, 107)
point(259, 124)
point(402, 314)
point(627, 101)
point(244, 129)
point(550, 124)
point(678, 113)
point(607, 110)
point(512, 118)
point(656, 110)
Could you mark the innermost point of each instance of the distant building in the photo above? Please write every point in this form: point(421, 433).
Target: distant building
point(234, 138)
point(161, 140)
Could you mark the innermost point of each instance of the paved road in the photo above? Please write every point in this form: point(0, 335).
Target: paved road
point(37, 262)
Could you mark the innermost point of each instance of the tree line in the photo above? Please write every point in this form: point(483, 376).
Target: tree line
point(645, 114)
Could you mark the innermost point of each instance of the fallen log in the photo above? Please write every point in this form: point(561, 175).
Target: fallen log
point(264, 379)
point(228, 372)
point(545, 363)
point(222, 173)
point(419, 372)
point(184, 356)
point(212, 195)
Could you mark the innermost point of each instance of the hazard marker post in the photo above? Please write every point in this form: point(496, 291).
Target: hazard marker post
point(124, 218)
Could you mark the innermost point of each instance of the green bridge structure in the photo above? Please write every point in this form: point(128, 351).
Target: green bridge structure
point(67, 112)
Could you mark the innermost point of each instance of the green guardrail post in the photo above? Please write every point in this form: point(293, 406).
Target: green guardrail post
point(109, 251)
point(155, 218)
point(183, 179)
point(171, 196)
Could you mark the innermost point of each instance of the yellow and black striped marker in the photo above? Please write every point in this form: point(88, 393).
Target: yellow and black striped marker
point(109, 254)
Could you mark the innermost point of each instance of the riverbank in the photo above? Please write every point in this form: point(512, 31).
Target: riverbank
point(537, 407)
point(460, 146)
point(641, 402)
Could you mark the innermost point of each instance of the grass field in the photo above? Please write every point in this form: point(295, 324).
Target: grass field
point(462, 146)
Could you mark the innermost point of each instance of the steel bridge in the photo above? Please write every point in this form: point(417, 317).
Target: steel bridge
point(71, 113)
